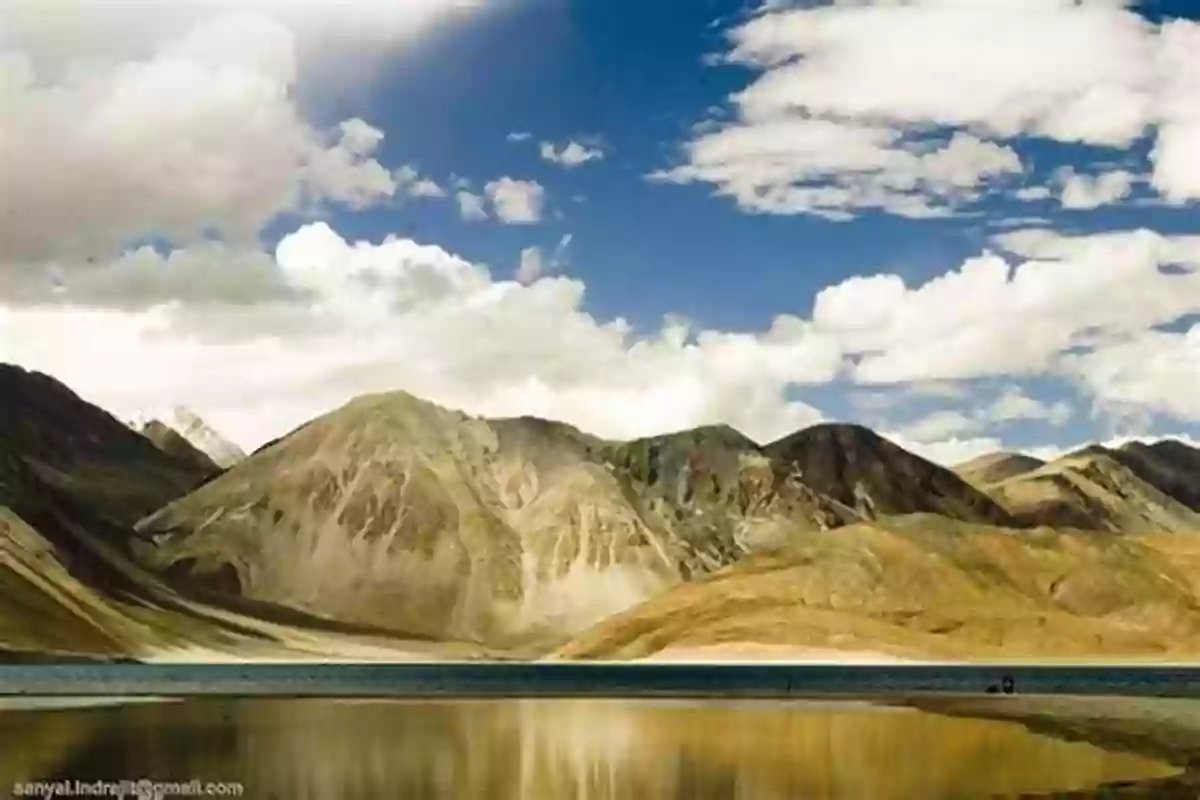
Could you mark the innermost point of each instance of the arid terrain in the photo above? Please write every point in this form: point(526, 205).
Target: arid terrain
point(392, 528)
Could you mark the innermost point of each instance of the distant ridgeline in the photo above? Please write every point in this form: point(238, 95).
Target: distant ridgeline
point(397, 520)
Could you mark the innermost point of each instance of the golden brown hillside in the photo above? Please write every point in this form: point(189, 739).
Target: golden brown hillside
point(923, 586)
point(992, 468)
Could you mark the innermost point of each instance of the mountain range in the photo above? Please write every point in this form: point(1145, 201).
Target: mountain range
point(392, 525)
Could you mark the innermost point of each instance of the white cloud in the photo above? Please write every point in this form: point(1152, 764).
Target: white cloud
point(342, 44)
point(802, 165)
point(519, 136)
point(398, 315)
point(410, 182)
point(1030, 194)
point(1176, 154)
point(993, 317)
point(517, 202)
point(1089, 192)
point(943, 424)
point(535, 264)
point(951, 451)
point(532, 265)
point(1014, 405)
point(978, 420)
point(204, 274)
point(200, 136)
point(850, 95)
point(572, 154)
point(471, 207)
point(1151, 371)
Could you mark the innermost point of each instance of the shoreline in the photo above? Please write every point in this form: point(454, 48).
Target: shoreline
point(433, 678)
point(1163, 729)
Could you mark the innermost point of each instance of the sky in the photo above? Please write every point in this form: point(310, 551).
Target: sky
point(969, 226)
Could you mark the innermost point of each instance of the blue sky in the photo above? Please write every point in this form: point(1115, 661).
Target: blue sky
point(679, 220)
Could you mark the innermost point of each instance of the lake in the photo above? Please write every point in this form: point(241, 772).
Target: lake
point(599, 749)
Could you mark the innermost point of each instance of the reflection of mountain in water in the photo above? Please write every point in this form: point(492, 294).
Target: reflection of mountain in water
point(554, 749)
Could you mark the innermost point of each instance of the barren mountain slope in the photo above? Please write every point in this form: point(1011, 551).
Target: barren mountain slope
point(69, 475)
point(925, 586)
point(1169, 465)
point(992, 468)
point(861, 469)
point(1092, 490)
point(43, 608)
point(399, 513)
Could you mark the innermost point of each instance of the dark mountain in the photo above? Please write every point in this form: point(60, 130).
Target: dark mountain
point(858, 467)
point(87, 454)
point(1169, 465)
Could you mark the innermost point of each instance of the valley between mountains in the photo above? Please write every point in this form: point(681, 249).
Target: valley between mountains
point(392, 528)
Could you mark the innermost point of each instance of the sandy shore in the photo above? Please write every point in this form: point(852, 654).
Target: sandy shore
point(304, 647)
point(750, 652)
point(53, 703)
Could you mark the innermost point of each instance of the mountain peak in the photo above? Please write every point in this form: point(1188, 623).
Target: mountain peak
point(201, 436)
point(856, 466)
point(993, 468)
point(171, 442)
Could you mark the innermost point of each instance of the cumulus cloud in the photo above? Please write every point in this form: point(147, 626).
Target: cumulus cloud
point(342, 44)
point(996, 316)
point(1014, 405)
point(1152, 371)
point(516, 202)
point(572, 154)
point(978, 421)
point(201, 136)
point(1030, 194)
point(535, 264)
point(411, 183)
point(205, 274)
point(472, 207)
point(951, 451)
point(1088, 192)
point(532, 265)
point(831, 168)
point(850, 97)
point(399, 315)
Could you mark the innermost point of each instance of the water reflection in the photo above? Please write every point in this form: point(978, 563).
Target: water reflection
point(598, 749)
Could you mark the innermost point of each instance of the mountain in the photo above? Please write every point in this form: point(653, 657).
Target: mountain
point(396, 527)
point(171, 442)
point(72, 481)
point(923, 586)
point(86, 453)
point(860, 469)
point(395, 512)
point(204, 438)
point(993, 468)
point(1169, 465)
point(1093, 489)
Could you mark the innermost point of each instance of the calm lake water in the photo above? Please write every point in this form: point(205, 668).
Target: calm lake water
point(534, 748)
